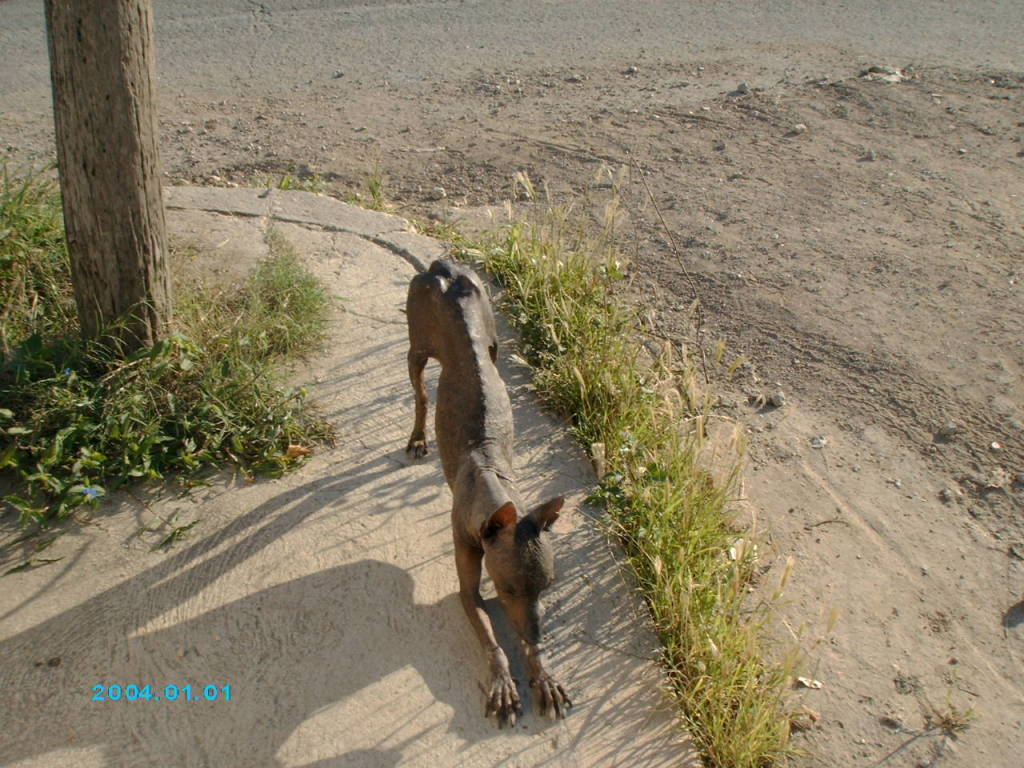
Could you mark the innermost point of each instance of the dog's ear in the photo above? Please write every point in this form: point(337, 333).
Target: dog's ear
point(503, 516)
point(547, 513)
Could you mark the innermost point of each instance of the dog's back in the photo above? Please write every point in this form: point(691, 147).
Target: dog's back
point(451, 320)
point(449, 311)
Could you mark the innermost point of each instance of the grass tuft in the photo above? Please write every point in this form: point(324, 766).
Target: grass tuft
point(301, 181)
point(79, 419)
point(643, 421)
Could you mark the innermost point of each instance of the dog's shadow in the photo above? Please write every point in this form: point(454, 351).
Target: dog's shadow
point(292, 653)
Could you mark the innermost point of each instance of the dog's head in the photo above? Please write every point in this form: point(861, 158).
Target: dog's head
point(521, 562)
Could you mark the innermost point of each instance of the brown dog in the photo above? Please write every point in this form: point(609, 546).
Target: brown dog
point(450, 319)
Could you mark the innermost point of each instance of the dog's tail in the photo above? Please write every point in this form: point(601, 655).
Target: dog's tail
point(442, 268)
point(460, 282)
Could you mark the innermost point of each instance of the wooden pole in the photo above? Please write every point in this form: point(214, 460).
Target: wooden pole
point(102, 70)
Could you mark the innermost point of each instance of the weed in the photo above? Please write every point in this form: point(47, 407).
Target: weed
point(947, 725)
point(950, 720)
point(301, 181)
point(313, 182)
point(177, 534)
point(439, 229)
point(35, 283)
point(670, 515)
point(375, 189)
point(79, 419)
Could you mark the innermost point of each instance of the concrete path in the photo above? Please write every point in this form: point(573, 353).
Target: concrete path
point(326, 600)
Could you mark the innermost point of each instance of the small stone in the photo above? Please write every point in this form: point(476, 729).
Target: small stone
point(870, 156)
point(630, 70)
point(995, 445)
point(891, 722)
point(338, 75)
point(947, 495)
point(946, 431)
point(438, 193)
point(884, 74)
point(797, 129)
point(743, 88)
point(898, 483)
point(962, 151)
point(819, 441)
point(777, 399)
point(574, 79)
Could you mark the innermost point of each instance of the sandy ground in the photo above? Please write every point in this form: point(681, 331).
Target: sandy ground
point(326, 600)
point(859, 242)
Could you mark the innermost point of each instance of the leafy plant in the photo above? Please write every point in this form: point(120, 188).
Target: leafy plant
point(78, 419)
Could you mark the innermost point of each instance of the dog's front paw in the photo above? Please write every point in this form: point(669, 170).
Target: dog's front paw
point(417, 447)
point(503, 700)
point(551, 695)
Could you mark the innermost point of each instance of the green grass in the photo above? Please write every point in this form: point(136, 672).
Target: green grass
point(645, 421)
point(79, 420)
point(375, 198)
point(292, 180)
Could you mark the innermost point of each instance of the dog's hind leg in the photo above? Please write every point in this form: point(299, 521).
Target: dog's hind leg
point(418, 440)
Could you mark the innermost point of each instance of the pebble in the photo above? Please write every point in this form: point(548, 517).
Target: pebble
point(819, 441)
point(574, 79)
point(890, 721)
point(743, 88)
point(797, 129)
point(947, 430)
point(777, 399)
point(631, 70)
point(947, 495)
point(962, 151)
point(438, 193)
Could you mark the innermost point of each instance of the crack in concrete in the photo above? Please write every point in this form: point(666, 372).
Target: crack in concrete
point(379, 240)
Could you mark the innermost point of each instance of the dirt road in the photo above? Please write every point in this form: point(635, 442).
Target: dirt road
point(856, 235)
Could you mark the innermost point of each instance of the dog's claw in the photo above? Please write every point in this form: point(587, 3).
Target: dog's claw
point(553, 698)
point(503, 700)
point(417, 448)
